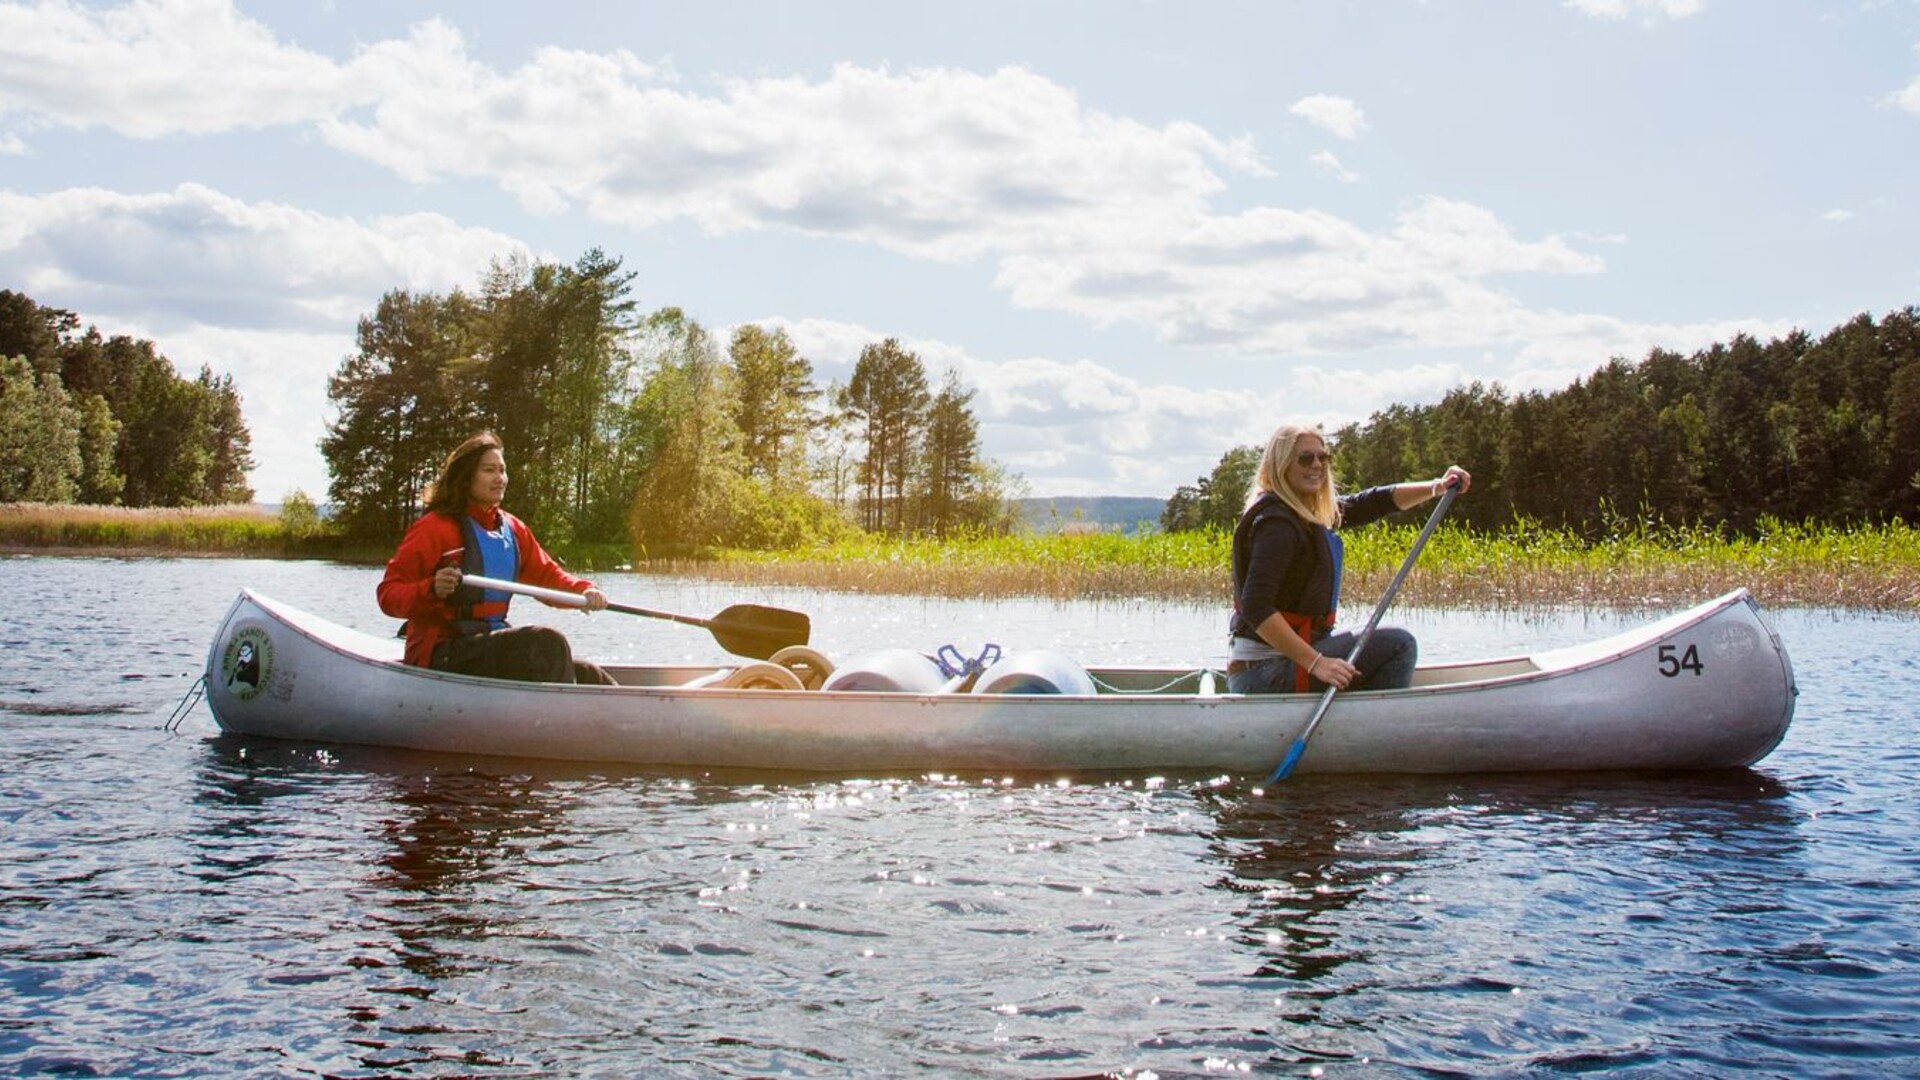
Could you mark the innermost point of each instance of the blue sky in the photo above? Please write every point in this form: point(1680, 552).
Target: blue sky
point(1144, 231)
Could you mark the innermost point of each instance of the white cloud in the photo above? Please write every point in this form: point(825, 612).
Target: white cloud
point(195, 255)
point(1089, 428)
point(940, 164)
point(1327, 162)
point(1085, 213)
point(1651, 9)
point(267, 293)
point(1077, 211)
point(1908, 97)
point(161, 67)
point(1837, 216)
point(1276, 281)
point(1335, 114)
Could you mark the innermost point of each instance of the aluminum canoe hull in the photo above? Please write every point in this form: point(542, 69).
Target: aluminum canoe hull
point(1706, 688)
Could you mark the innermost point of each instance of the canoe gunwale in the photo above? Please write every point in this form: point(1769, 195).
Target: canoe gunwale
point(1599, 653)
point(1469, 725)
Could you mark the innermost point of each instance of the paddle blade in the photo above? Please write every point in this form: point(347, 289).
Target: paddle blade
point(1294, 754)
point(759, 632)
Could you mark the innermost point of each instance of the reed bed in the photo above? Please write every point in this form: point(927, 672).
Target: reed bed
point(240, 529)
point(1874, 568)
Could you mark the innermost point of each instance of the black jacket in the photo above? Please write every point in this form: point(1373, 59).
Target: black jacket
point(1282, 562)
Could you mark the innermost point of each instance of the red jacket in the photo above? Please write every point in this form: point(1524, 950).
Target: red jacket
point(407, 590)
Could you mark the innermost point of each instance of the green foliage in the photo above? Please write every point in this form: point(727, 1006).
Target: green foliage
point(230, 444)
point(144, 436)
point(691, 485)
point(541, 357)
point(886, 401)
point(1794, 429)
point(792, 520)
point(32, 331)
point(39, 436)
point(639, 430)
point(554, 363)
point(404, 401)
point(950, 477)
point(299, 517)
point(1215, 500)
point(772, 405)
point(99, 483)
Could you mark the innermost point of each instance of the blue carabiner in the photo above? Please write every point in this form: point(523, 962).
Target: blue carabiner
point(959, 665)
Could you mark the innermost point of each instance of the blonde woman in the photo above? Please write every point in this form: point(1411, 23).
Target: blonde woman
point(1287, 558)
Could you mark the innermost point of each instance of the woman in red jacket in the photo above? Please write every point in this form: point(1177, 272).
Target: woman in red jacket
point(456, 627)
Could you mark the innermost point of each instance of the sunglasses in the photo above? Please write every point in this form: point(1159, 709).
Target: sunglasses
point(1306, 458)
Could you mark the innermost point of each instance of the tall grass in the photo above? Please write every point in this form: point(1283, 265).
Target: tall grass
point(228, 530)
point(1875, 567)
point(1638, 564)
point(1031, 564)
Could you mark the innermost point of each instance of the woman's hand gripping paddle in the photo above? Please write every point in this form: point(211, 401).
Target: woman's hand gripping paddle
point(1299, 746)
point(742, 629)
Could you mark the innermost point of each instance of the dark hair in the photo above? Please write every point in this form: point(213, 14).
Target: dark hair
point(450, 489)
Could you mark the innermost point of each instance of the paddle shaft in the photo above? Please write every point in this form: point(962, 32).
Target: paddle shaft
point(576, 600)
point(1299, 746)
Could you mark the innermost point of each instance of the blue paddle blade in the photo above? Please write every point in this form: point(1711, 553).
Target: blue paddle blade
point(1294, 752)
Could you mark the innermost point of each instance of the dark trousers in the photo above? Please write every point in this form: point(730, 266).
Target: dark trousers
point(522, 653)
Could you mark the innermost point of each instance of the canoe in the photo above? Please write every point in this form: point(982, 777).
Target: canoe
point(1706, 688)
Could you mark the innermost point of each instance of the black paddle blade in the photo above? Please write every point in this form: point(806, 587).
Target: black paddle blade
point(759, 632)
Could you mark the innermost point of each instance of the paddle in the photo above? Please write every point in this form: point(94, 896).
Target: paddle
point(1299, 746)
point(742, 629)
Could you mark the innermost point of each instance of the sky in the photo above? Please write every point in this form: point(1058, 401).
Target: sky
point(1143, 231)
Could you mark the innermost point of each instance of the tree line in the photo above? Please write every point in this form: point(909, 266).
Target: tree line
point(646, 428)
point(86, 418)
point(1822, 431)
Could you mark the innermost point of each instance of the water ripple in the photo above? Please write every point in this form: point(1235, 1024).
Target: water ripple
point(192, 905)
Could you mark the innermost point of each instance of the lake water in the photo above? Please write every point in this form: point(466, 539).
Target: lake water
point(177, 904)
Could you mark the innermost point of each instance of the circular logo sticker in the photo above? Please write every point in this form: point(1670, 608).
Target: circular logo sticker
point(247, 664)
point(1735, 641)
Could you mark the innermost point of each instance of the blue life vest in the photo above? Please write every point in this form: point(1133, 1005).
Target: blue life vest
point(493, 553)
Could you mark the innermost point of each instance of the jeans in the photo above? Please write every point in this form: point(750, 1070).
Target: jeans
point(1386, 663)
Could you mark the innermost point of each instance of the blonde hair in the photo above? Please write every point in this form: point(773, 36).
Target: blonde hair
point(1323, 506)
